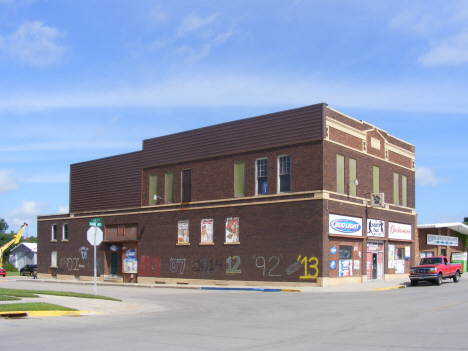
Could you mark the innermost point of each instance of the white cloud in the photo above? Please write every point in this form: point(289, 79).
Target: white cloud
point(34, 44)
point(63, 209)
point(26, 212)
point(425, 176)
point(451, 51)
point(8, 182)
point(193, 22)
point(158, 16)
point(45, 178)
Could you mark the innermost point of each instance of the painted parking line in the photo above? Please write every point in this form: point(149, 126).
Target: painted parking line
point(452, 304)
point(251, 289)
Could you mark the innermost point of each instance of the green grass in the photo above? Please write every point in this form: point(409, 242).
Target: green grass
point(33, 306)
point(8, 298)
point(34, 293)
point(12, 274)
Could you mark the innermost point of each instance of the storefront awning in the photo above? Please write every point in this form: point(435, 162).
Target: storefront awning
point(458, 227)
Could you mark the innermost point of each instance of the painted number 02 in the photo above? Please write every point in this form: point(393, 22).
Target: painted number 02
point(309, 263)
point(230, 261)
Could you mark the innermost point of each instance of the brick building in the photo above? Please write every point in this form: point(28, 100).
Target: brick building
point(284, 197)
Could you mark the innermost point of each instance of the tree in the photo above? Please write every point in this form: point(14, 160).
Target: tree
point(3, 226)
point(31, 239)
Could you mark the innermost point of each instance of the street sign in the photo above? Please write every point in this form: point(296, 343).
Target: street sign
point(99, 235)
point(95, 222)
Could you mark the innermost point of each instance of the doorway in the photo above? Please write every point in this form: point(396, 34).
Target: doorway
point(374, 265)
point(113, 262)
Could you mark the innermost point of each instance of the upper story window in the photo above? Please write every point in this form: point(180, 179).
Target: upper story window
point(404, 191)
point(375, 179)
point(396, 189)
point(239, 179)
point(54, 232)
point(153, 189)
point(284, 174)
point(262, 176)
point(65, 231)
point(352, 176)
point(169, 187)
point(340, 174)
point(186, 185)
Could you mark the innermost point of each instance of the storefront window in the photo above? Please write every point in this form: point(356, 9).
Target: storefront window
point(345, 252)
point(398, 254)
point(426, 254)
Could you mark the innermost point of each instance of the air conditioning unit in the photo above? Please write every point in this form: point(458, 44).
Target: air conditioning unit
point(377, 200)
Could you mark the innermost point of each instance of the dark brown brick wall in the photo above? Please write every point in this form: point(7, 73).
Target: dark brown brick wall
point(345, 138)
point(364, 173)
point(213, 178)
point(400, 159)
point(272, 237)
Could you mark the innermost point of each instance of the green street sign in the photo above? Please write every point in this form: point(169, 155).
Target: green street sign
point(95, 222)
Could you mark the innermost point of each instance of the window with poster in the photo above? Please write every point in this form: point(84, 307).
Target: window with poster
point(345, 268)
point(399, 254)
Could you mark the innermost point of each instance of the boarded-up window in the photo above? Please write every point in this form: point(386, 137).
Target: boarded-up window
point(169, 187)
point(53, 259)
point(340, 174)
point(284, 168)
point(153, 189)
point(396, 189)
point(404, 191)
point(121, 230)
point(186, 185)
point(239, 179)
point(352, 177)
point(375, 179)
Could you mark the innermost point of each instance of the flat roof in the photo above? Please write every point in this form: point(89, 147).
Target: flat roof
point(458, 226)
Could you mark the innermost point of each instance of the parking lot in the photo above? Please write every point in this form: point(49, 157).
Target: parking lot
point(350, 317)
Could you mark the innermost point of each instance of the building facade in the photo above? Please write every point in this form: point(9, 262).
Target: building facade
point(280, 198)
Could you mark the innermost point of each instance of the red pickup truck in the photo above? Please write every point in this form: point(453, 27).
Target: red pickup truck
point(435, 269)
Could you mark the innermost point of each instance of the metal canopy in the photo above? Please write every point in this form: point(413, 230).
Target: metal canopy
point(458, 227)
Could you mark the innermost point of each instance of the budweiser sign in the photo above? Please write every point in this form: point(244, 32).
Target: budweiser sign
point(399, 231)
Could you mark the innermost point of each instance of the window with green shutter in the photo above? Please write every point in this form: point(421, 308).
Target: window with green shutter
point(375, 179)
point(153, 189)
point(340, 174)
point(396, 189)
point(352, 177)
point(404, 191)
point(169, 187)
point(239, 179)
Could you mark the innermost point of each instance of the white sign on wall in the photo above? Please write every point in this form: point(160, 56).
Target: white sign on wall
point(344, 225)
point(376, 227)
point(442, 240)
point(399, 231)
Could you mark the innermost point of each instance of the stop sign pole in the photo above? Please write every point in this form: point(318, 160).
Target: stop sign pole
point(93, 239)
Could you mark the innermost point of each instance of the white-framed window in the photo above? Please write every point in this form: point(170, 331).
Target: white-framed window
point(65, 231)
point(54, 232)
point(261, 176)
point(284, 174)
point(53, 259)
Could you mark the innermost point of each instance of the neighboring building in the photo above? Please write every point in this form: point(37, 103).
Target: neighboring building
point(264, 199)
point(23, 254)
point(442, 239)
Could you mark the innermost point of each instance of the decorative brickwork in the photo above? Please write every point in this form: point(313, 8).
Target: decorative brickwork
point(344, 138)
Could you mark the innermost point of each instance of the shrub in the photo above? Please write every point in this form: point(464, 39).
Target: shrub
point(9, 267)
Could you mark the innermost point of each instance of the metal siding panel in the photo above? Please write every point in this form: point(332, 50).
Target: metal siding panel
point(115, 182)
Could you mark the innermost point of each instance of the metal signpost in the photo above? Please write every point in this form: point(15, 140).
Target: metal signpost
point(95, 237)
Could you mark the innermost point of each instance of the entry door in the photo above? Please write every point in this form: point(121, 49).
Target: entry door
point(113, 259)
point(374, 265)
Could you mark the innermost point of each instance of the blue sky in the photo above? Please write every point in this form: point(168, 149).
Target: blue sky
point(80, 80)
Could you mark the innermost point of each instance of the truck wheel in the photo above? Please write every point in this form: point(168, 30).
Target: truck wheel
point(456, 277)
point(439, 279)
point(414, 282)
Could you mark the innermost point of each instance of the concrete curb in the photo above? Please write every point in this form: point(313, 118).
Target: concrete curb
point(391, 288)
point(250, 289)
point(18, 314)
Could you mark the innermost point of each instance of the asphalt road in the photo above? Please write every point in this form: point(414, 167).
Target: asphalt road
point(425, 317)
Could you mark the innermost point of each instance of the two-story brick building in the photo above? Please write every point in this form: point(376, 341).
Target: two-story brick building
point(282, 198)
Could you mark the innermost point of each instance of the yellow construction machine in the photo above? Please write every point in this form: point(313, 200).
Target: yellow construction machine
point(14, 241)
